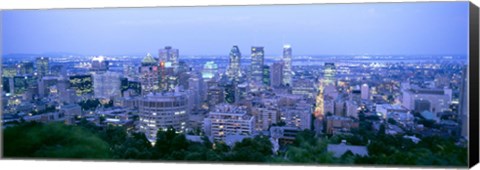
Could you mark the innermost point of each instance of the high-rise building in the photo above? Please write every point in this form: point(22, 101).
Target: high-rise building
point(149, 75)
point(169, 56)
point(233, 71)
point(215, 96)
point(106, 85)
point(82, 84)
point(299, 115)
point(227, 120)
point(276, 74)
point(42, 66)
point(287, 70)
point(45, 84)
point(25, 68)
point(266, 75)
point(210, 70)
point(256, 67)
point(169, 68)
point(195, 88)
point(58, 70)
point(163, 110)
point(99, 64)
point(329, 74)
point(439, 99)
point(365, 92)
point(241, 92)
point(305, 87)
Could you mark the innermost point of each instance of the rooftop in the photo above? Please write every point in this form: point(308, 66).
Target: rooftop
point(339, 149)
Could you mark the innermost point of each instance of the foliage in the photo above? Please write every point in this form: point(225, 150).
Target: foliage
point(53, 140)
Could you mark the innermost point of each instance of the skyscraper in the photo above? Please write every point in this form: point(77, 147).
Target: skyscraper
point(169, 56)
point(276, 74)
point(233, 70)
point(210, 70)
point(42, 66)
point(287, 60)
point(329, 74)
point(149, 75)
point(256, 67)
point(266, 75)
point(99, 64)
point(365, 92)
point(106, 85)
point(169, 67)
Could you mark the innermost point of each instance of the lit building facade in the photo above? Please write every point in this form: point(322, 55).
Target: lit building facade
point(149, 75)
point(234, 71)
point(228, 119)
point(106, 85)
point(287, 70)
point(276, 74)
point(42, 66)
point(163, 110)
point(256, 67)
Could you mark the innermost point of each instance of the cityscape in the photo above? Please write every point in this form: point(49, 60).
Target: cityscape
point(240, 106)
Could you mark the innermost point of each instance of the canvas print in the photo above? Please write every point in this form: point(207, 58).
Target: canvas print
point(381, 84)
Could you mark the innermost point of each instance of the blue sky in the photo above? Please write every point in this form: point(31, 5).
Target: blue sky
point(326, 29)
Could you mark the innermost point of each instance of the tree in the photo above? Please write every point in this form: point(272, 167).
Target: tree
point(53, 140)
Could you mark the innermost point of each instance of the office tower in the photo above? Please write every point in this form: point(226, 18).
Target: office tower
point(266, 113)
point(241, 92)
point(163, 110)
point(58, 70)
point(299, 115)
point(266, 75)
point(227, 120)
point(365, 92)
point(256, 67)
point(66, 94)
point(42, 66)
point(390, 109)
point(25, 68)
point(210, 70)
point(45, 84)
point(287, 70)
point(169, 68)
point(329, 74)
point(149, 75)
point(304, 87)
point(99, 64)
point(107, 85)
point(229, 92)
point(233, 70)
point(439, 99)
point(169, 56)
point(340, 125)
point(195, 88)
point(21, 84)
point(82, 84)
point(6, 84)
point(351, 108)
point(276, 74)
point(215, 96)
point(9, 70)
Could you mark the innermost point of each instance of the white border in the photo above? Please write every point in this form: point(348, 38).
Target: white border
point(84, 165)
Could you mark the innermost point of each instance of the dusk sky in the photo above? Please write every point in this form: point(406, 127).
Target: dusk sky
point(327, 29)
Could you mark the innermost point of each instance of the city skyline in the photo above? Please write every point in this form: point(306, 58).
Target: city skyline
point(140, 30)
